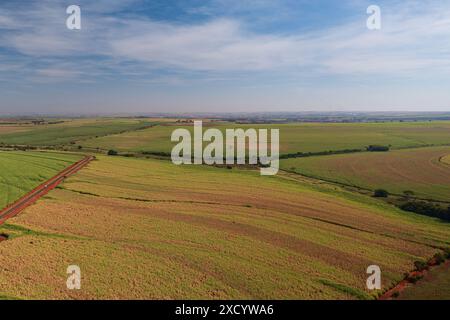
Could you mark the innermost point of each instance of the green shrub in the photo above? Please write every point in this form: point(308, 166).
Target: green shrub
point(439, 258)
point(112, 153)
point(415, 278)
point(375, 148)
point(447, 253)
point(420, 265)
point(380, 193)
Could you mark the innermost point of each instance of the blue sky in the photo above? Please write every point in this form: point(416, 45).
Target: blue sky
point(224, 56)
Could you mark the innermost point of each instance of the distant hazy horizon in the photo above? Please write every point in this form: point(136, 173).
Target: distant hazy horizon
point(172, 56)
point(243, 114)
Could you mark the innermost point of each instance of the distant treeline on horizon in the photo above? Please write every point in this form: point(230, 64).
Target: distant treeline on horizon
point(261, 117)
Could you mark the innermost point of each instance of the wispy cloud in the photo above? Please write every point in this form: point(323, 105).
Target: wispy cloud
point(119, 43)
point(408, 41)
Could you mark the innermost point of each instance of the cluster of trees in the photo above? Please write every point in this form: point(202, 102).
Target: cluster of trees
point(421, 207)
point(427, 209)
point(17, 147)
point(113, 152)
point(371, 148)
point(157, 153)
point(376, 148)
point(321, 153)
point(381, 193)
point(437, 259)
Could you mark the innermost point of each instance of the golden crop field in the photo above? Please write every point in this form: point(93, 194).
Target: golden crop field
point(148, 229)
point(4, 129)
point(446, 160)
point(421, 170)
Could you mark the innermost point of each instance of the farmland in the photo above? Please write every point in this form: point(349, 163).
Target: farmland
point(296, 137)
point(131, 135)
point(66, 132)
point(7, 129)
point(446, 160)
point(434, 286)
point(203, 232)
point(20, 172)
point(418, 170)
point(179, 232)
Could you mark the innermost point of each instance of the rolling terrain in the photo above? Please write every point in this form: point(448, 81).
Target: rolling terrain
point(295, 137)
point(201, 232)
point(420, 170)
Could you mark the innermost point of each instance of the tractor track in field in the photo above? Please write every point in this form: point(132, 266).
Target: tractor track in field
point(31, 197)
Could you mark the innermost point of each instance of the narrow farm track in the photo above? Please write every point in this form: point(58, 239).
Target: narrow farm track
point(38, 192)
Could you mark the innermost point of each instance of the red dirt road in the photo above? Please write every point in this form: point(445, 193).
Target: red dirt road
point(31, 197)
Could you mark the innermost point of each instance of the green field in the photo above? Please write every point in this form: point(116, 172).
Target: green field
point(199, 232)
point(296, 137)
point(68, 132)
point(419, 170)
point(177, 232)
point(20, 172)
